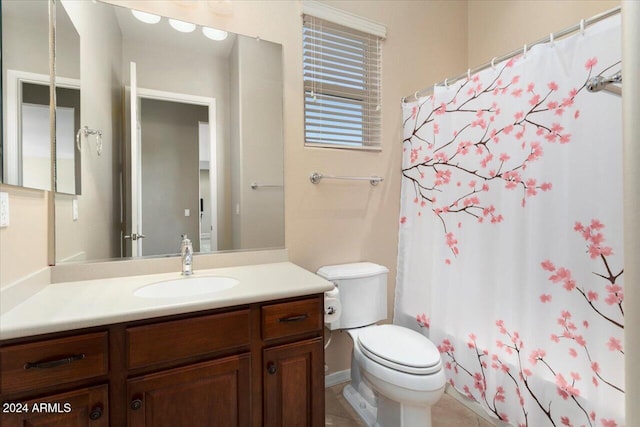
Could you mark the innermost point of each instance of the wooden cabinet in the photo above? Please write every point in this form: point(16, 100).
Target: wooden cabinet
point(254, 365)
point(291, 318)
point(86, 407)
point(52, 362)
point(205, 395)
point(294, 384)
point(149, 344)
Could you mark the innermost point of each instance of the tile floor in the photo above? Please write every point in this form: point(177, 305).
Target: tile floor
point(448, 412)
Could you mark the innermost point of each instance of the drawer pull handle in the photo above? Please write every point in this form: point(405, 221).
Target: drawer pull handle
point(54, 363)
point(296, 318)
point(272, 368)
point(95, 413)
point(136, 404)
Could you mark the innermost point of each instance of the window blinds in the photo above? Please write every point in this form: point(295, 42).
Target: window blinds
point(342, 85)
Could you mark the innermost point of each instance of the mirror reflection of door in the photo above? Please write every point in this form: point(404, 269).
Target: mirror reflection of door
point(33, 147)
point(25, 57)
point(172, 150)
point(34, 151)
point(170, 174)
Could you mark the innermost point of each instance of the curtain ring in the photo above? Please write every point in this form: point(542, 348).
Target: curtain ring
point(582, 27)
point(468, 73)
point(404, 99)
point(551, 39)
point(445, 83)
point(416, 94)
point(493, 62)
point(524, 51)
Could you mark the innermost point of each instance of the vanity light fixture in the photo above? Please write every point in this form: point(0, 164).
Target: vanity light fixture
point(183, 27)
point(214, 34)
point(147, 18)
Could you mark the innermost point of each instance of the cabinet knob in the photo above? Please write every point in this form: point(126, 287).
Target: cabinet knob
point(95, 413)
point(271, 368)
point(136, 404)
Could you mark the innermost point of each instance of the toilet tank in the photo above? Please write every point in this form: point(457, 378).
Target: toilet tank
point(362, 290)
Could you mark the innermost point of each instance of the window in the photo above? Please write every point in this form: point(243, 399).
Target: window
point(341, 85)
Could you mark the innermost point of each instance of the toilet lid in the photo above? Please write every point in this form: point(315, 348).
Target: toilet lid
point(400, 348)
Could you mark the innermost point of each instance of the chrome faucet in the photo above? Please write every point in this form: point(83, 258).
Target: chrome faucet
point(186, 250)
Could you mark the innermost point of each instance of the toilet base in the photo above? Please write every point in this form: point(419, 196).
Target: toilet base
point(367, 412)
point(388, 413)
point(402, 415)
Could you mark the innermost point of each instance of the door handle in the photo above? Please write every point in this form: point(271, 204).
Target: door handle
point(135, 236)
point(54, 363)
point(294, 318)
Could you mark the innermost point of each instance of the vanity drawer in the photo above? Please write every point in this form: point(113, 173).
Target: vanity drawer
point(179, 339)
point(291, 318)
point(53, 362)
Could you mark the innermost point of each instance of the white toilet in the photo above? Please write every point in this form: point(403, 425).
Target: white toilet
point(396, 373)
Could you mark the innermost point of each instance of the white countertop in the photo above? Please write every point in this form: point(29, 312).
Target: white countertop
point(81, 304)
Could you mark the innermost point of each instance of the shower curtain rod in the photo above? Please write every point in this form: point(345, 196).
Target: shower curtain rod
point(562, 33)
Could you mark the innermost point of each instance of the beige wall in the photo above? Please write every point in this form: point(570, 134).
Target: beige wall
point(497, 27)
point(23, 245)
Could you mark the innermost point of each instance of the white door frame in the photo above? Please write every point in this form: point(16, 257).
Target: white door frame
point(213, 170)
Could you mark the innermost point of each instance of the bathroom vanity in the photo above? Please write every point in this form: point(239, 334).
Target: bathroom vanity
point(258, 361)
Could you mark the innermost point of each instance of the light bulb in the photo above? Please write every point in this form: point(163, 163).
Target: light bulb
point(214, 34)
point(147, 18)
point(183, 27)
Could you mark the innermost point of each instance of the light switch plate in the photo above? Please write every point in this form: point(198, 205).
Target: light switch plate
point(4, 209)
point(187, 212)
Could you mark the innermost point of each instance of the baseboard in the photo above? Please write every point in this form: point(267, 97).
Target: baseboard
point(337, 378)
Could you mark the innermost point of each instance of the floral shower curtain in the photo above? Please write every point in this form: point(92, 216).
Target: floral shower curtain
point(510, 255)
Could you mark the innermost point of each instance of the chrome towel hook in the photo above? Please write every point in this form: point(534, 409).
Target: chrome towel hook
point(86, 131)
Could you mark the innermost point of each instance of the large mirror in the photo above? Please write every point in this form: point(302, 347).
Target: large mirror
point(26, 136)
point(26, 150)
point(181, 133)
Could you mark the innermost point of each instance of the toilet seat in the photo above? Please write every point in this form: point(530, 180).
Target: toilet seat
point(400, 349)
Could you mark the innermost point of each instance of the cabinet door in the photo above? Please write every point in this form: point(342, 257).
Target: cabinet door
point(214, 393)
point(293, 382)
point(80, 408)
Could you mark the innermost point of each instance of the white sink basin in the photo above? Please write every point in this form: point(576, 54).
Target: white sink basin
point(186, 287)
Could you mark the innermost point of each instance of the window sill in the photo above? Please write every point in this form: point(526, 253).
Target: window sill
point(342, 147)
